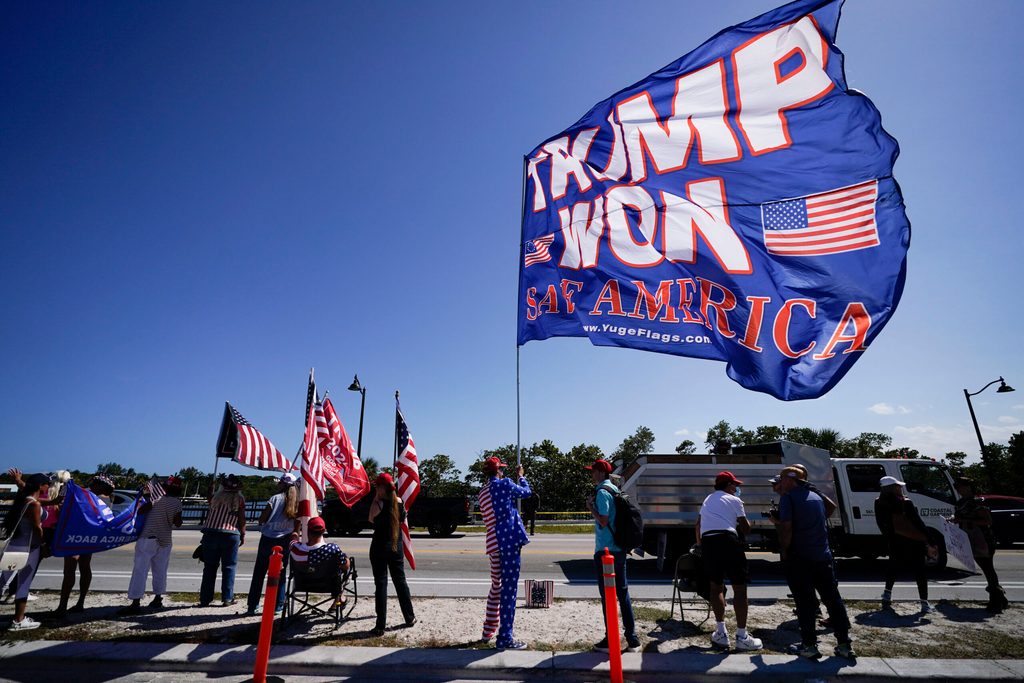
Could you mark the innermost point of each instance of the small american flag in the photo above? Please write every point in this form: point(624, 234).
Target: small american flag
point(408, 484)
point(829, 223)
point(254, 449)
point(538, 250)
point(154, 490)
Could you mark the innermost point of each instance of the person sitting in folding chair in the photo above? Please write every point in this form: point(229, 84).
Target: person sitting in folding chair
point(317, 567)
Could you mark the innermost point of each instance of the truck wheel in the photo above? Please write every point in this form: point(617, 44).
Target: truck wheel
point(441, 528)
point(935, 538)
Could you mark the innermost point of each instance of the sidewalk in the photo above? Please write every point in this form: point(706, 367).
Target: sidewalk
point(440, 664)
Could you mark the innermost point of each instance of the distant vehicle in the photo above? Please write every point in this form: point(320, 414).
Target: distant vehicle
point(1007, 518)
point(441, 516)
point(122, 500)
point(669, 490)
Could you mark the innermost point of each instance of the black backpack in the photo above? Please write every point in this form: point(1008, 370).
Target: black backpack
point(628, 531)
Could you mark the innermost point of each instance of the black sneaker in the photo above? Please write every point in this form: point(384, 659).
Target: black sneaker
point(157, 602)
point(601, 646)
point(632, 644)
point(128, 610)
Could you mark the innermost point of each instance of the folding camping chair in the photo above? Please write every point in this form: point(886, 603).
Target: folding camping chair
point(304, 582)
point(690, 586)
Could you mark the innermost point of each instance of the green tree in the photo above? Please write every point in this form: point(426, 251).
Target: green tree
point(866, 445)
point(439, 477)
point(956, 461)
point(904, 452)
point(719, 438)
point(769, 433)
point(640, 442)
point(686, 447)
point(564, 485)
point(372, 467)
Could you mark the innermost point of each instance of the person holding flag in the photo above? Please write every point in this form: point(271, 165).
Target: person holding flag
point(511, 537)
point(153, 549)
point(387, 514)
point(278, 521)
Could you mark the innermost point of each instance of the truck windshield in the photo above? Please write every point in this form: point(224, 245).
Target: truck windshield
point(928, 480)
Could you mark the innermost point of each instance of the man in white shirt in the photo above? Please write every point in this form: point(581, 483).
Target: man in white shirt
point(721, 521)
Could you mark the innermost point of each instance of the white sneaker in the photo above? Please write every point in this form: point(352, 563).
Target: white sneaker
point(926, 607)
point(26, 624)
point(748, 642)
point(31, 597)
point(720, 641)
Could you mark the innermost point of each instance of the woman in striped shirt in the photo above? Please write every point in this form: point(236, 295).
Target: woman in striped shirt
point(223, 533)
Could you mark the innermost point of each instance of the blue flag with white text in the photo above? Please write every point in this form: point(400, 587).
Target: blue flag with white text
point(87, 524)
point(737, 205)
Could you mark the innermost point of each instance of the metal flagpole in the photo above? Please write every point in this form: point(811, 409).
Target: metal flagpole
point(394, 461)
point(522, 220)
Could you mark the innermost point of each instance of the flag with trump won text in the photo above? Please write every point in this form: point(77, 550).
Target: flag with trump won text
point(341, 463)
point(407, 483)
point(738, 205)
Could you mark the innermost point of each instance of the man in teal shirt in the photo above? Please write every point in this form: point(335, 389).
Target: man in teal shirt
point(602, 506)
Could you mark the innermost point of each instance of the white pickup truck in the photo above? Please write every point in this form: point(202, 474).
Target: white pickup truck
point(669, 490)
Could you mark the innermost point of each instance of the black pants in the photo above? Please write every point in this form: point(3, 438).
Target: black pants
point(907, 559)
point(807, 578)
point(382, 561)
point(988, 568)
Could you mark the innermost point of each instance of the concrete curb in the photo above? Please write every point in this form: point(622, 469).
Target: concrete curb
point(415, 663)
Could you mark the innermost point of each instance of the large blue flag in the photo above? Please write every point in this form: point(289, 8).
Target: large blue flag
point(88, 525)
point(737, 205)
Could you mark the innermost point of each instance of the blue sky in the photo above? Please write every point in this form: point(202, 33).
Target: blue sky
point(202, 200)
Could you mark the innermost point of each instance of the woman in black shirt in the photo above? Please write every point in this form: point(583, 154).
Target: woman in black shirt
point(907, 538)
point(387, 514)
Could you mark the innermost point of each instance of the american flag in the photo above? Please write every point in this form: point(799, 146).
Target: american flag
point(829, 223)
point(538, 250)
point(254, 449)
point(312, 463)
point(408, 483)
point(154, 490)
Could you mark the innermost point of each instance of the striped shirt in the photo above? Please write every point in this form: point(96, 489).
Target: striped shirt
point(487, 512)
point(223, 517)
point(160, 520)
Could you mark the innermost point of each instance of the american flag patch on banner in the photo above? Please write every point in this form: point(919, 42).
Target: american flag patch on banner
point(537, 251)
point(828, 223)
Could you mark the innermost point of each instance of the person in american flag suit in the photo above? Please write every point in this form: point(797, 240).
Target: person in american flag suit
point(509, 535)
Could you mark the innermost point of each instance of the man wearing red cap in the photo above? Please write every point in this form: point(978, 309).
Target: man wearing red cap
point(602, 506)
point(506, 536)
point(721, 521)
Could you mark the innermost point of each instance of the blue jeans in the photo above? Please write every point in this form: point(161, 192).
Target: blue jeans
point(621, 591)
point(259, 571)
point(219, 548)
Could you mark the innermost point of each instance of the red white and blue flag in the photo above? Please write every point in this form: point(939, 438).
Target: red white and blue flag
point(826, 223)
point(538, 250)
point(408, 481)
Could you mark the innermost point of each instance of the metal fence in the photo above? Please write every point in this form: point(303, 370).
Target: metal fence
point(195, 513)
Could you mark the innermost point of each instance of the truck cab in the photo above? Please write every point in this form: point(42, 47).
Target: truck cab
point(929, 487)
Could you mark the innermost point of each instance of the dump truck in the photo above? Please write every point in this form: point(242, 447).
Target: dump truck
point(669, 490)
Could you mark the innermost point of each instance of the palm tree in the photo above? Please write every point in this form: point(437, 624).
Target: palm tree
point(372, 467)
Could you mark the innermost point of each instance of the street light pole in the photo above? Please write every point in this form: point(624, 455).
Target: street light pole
point(1003, 388)
point(356, 386)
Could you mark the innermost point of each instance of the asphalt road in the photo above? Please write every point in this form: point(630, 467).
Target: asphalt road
point(457, 567)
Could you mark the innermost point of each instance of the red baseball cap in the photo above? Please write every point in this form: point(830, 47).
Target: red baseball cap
point(316, 523)
point(493, 464)
point(384, 478)
point(726, 477)
point(601, 466)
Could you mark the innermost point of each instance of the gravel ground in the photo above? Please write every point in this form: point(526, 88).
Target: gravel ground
point(960, 630)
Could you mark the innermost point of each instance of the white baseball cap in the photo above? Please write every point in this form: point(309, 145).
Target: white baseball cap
point(288, 478)
point(891, 481)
